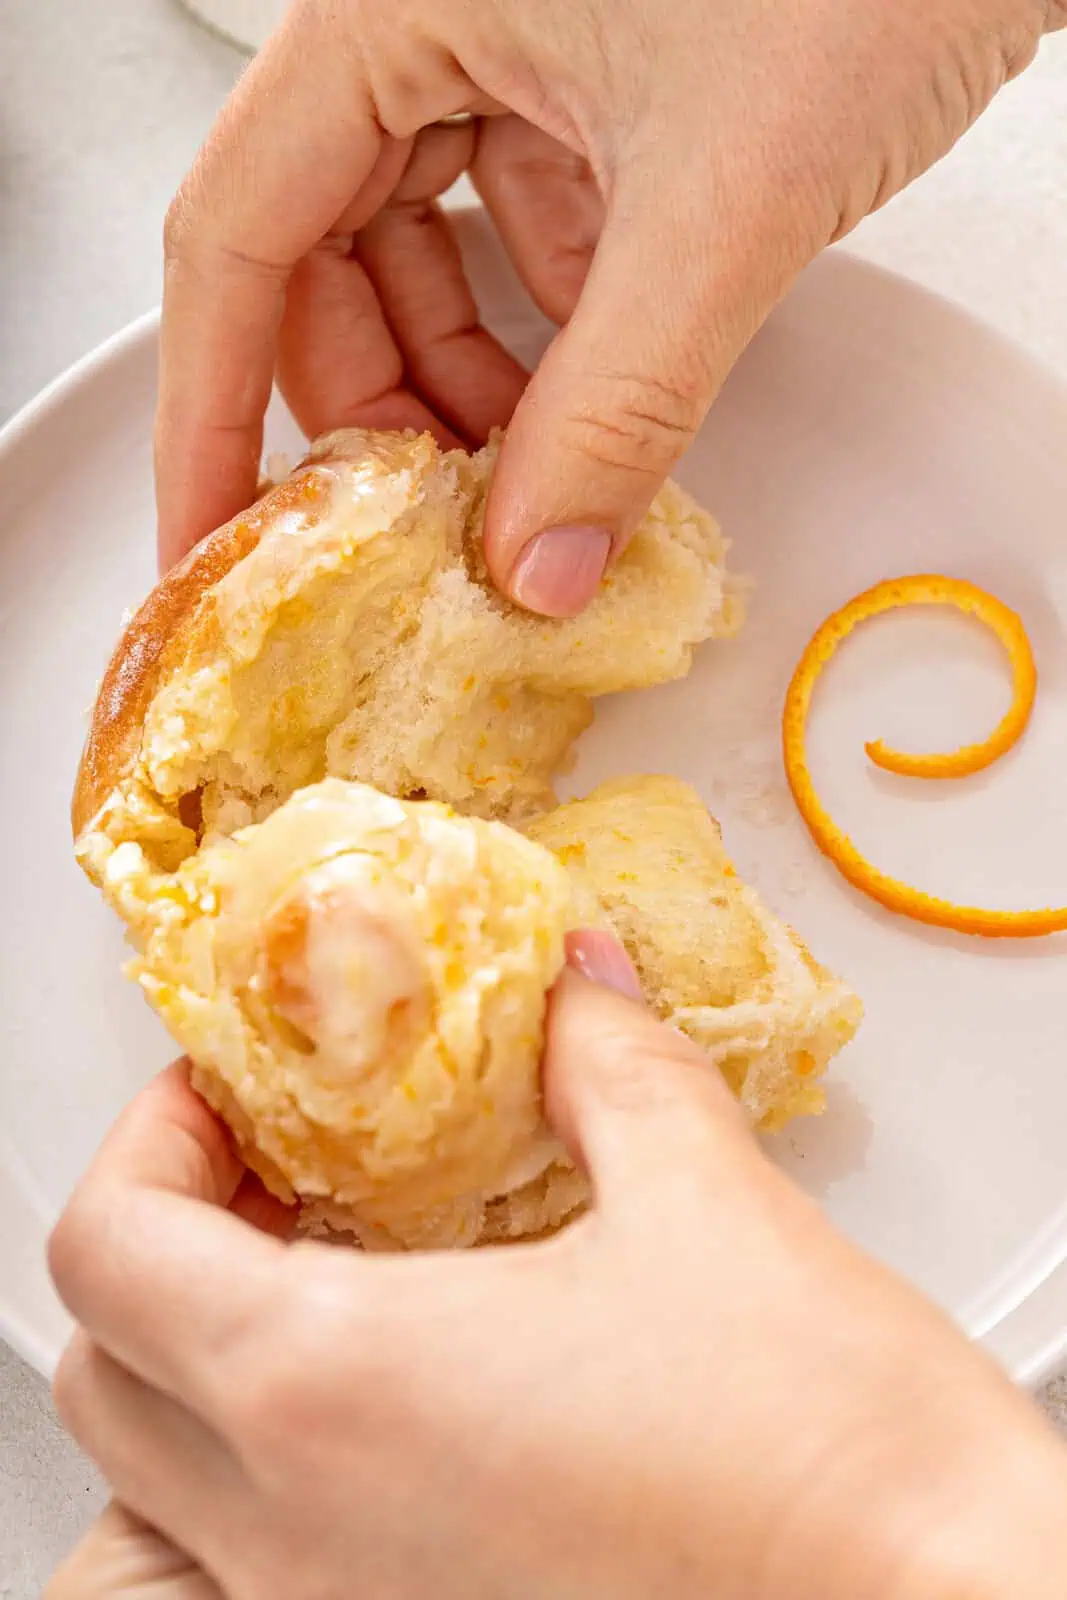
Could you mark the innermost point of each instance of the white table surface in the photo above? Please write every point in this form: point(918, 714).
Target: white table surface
point(102, 106)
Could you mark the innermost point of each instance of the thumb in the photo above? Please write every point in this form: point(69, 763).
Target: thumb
point(637, 1104)
point(669, 303)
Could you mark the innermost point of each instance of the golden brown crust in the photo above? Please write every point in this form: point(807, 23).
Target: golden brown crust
point(156, 640)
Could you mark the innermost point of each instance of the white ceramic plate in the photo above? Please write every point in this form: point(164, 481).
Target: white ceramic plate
point(871, 430)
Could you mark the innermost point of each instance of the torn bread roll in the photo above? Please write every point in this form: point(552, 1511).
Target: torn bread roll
point(360, 983)
point(360, 977)
point(345, 627)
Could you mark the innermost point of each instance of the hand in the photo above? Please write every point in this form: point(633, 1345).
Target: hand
point(659, 176)
point(699, 1389)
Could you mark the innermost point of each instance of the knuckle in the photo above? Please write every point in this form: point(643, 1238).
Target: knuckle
point(70, 1381)
point(636, 424)
point(197, 231)
point(680, 1116)
point(70, 1246)
point(635, 1078)
point(61, 1253)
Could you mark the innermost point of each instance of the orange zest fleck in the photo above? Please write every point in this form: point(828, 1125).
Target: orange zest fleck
point(933, 590)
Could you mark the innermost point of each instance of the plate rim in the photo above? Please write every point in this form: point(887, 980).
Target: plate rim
point(1039, 1321)
point(26, 1344)
point(58, 389)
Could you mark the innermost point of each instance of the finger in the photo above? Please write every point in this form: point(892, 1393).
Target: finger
point(339, 365)
point(545, 205)
point(600, 958)
point(676, 289)
point(413, 260)
point(637, 1104)
point(161, 1461)
point(122, 1556)
point(262, 1210)
point(298, 138)
point(146, 1259)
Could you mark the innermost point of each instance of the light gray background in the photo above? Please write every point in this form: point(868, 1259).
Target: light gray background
point(102, 106)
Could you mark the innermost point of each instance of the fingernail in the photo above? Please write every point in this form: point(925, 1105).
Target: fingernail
point(601, 958)
point(560, 570)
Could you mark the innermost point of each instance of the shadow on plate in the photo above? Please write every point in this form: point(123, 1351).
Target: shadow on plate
point(821, 1151)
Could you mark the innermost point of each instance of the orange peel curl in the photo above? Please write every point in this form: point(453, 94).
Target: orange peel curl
point(930, 589)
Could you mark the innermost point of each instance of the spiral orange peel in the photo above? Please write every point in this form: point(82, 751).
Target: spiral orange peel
point(930, 589)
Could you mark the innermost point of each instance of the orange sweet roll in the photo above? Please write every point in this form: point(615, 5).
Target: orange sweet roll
point(930, 589)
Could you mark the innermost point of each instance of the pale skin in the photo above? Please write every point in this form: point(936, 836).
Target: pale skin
point(700, 1389)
